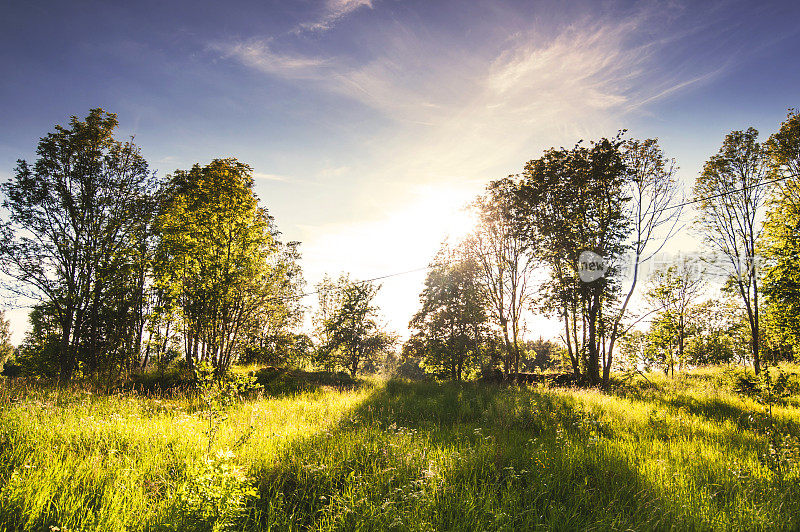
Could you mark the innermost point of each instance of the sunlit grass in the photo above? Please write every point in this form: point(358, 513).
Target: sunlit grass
point(664, 454)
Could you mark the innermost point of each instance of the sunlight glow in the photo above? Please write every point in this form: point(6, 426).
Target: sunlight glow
point(440, 212)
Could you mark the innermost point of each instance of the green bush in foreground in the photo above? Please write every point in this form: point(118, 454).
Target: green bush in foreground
point(687, 454)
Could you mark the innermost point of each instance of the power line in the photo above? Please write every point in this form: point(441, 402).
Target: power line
point(667, 208)
point(337, 289)
point(726, 193)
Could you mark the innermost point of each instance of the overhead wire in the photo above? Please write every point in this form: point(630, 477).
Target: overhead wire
point(428, 267)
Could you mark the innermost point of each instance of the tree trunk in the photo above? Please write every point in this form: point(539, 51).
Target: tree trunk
point(66, 354)
point(593, 366)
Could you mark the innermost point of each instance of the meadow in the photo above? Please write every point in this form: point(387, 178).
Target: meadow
point(657, 454)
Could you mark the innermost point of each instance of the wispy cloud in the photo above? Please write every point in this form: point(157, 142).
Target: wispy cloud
point(272, 177)
point(333, 11)
point(258, 54)
point(463, 110)
point(591, 64)
point(459, 112)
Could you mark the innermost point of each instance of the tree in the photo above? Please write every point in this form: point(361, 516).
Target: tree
point(451, 323)
point(543, 355)
point(780, 242)
point(573, 201)
point(218, 260)
point(721, 332)
point(349, 324)
point(673, 291)
point(634, 352)
point(41, 344)
point(652, 208)
point(503, 256)
point(780, 249)
point(783, 149)
point(276, 340)
point(731, 193)
point(79, 219)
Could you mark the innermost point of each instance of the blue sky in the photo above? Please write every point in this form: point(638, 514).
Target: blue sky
point(370, 122)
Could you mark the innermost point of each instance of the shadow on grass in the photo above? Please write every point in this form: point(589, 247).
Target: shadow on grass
point(460, 456)
point(722, 411)
point(275, 380)
point(283, 381)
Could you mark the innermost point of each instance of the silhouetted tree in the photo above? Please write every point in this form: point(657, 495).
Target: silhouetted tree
point(574, 200)
point(505, 262)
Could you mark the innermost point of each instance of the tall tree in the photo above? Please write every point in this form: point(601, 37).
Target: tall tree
point(731, 194)
point(574, 201)
point(78, 216)
point(504, 257)
point(451, 323)
point(783, 148)
point(722, 333)
point(780, 243)
point(216, 259)
point(653, 211)
point(277, 339)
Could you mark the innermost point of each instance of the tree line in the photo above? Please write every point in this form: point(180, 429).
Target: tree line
point(130, 269)
point(619, 199)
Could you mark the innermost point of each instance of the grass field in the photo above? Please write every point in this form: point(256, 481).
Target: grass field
point(684, 454)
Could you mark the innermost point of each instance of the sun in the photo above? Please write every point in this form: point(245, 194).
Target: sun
point(441, 212)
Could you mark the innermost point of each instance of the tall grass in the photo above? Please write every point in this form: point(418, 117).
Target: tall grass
point(665, 454)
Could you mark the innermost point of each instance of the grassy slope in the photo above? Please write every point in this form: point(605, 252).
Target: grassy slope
point(404, 456)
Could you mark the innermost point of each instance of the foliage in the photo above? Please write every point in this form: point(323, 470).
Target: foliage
point(780, 243)
point(449, 328)
point(77, 239)
point(503, 261)
point(637, 352)
point(219, 391)
point(722, 333)
point(40, 347)
point(348, 324)
point(283, 348)
point(574, 200)
point(215, 496)
point(283, 381)
point(543, 355)
point(652, 211)
point(783, 450)
point(783, 148)
point(218, 261)
point(673, 291)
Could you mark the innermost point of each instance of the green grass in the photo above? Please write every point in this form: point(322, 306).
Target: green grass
point(683, 454)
